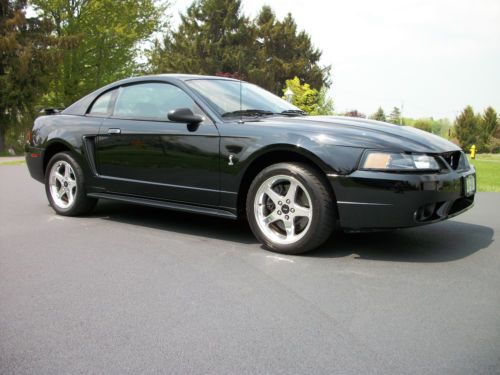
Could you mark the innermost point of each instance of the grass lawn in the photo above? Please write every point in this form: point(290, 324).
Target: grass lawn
point(13, 162)
point(488, 171)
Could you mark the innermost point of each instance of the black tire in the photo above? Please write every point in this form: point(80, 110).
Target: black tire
point(81, 203)
point(323, 219)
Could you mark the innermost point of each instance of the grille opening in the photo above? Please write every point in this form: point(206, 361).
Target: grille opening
point(425, 212)
point(461, 204)
point(438, 210)
point(453, 159)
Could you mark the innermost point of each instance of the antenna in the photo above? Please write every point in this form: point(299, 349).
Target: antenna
point(241, 100)
point(241, 86)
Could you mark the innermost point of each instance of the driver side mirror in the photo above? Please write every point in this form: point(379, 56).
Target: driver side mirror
point(184, 115)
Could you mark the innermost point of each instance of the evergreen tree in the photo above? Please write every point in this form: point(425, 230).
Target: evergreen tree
point(283, 52)
point(467, 128)
point(395, 116)
point(27, 57)
point(214, 38)
point(489, 124)
point(379, 115)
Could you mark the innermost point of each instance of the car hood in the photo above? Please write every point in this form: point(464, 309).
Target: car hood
point(356, 132)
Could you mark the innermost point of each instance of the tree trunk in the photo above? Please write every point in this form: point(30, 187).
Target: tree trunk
point(2, 138)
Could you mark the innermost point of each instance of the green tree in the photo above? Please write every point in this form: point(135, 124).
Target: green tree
point(215, 38)
point(310, 100)
point(424, 124)
point(379, 115)
point(489, 125)
point(102, 40)
point(26, 60)
point(282, 51)
point(395, 116)
point(467, 128)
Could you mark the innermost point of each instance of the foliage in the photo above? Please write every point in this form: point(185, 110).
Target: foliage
point(379, 115)
point(423, 124)
point(395, 116)
point(474, 129)
point(310, 100)
point(467, 128)
point(282, 51)
point(214, 37)
point(354, 113)
point(489, 125)
point(209, 39)
point(26, 61)
point(101, 42)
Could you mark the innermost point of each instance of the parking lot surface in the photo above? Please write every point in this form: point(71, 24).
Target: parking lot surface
point(133, 290)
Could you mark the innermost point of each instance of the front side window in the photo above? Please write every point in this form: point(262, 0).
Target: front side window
point(232, 97)
point(150, 101)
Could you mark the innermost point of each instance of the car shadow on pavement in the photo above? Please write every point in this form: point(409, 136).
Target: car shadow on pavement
point(175, 221)
point(441, 242)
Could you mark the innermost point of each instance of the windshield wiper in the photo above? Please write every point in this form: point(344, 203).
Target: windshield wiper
point(293, 112)
point(248, 112)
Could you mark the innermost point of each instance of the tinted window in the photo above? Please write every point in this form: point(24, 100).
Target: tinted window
point(150, 100)
point(102, 105)
point(228, 96)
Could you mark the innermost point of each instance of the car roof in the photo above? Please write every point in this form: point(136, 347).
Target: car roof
point(186, 77)
point(80, 106)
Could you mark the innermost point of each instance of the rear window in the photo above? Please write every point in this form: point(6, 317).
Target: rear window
point(102, 106)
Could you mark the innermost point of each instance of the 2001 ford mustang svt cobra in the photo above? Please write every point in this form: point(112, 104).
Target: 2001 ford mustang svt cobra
point(227, 148)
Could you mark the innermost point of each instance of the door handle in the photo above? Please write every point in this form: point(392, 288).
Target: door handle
point(114, 131)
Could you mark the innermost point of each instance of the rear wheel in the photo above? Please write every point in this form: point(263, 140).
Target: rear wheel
point(65, 188)
point(289, 208)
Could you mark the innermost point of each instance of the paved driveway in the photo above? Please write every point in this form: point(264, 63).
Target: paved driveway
point(132, 290)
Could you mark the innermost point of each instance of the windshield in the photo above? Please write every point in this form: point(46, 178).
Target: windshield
point(224, 96)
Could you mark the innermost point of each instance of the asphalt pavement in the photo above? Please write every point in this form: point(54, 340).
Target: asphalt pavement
point(133, 290)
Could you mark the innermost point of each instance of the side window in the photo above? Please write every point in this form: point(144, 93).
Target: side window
point(102, 106)
point(151, 101)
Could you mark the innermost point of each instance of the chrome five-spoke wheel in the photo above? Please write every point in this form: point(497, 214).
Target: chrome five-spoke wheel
point(283, 209)
point(290, 207)
point(63, 186)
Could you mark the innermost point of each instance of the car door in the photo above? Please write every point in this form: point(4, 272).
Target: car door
point(140, 152)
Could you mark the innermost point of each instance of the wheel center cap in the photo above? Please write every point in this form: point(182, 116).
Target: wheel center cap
point(285, 209)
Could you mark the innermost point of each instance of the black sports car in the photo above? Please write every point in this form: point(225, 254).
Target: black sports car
point(228, 148)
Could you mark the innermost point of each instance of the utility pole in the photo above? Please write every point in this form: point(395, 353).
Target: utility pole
point(401, 116)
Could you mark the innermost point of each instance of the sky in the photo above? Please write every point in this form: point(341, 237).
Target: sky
point(431, 57)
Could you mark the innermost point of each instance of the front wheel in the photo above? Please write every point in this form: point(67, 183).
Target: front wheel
point(290, 208)
point(65, 187)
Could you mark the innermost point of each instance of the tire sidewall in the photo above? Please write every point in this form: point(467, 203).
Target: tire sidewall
point(319, 209)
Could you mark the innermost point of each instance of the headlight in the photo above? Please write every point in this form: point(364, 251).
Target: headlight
point(398, 162)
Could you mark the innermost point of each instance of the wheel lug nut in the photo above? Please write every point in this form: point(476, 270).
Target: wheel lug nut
point(288, 201)
point(292, 210)
point(279, 212)
point(287, 217)
point(280, 203)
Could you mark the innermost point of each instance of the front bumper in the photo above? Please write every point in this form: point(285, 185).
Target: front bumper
point(369, 200)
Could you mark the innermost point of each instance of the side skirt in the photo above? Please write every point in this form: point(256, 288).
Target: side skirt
point(167, 205)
